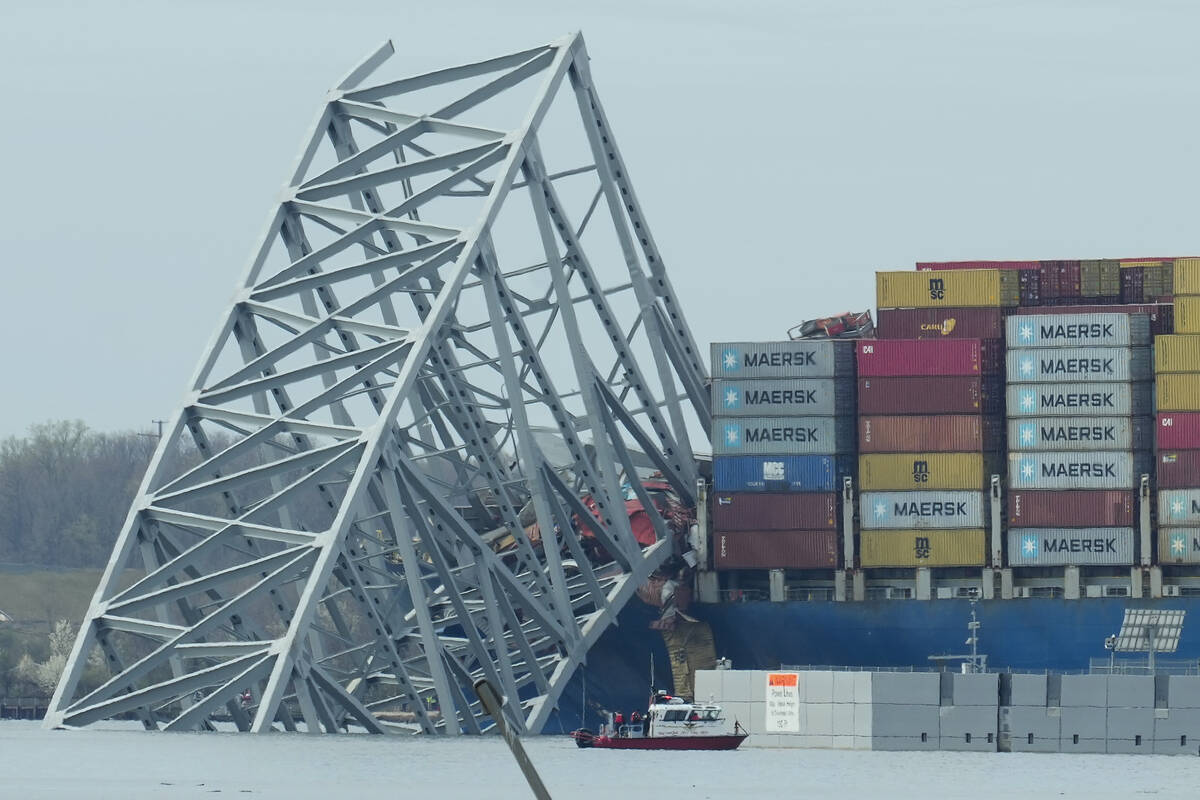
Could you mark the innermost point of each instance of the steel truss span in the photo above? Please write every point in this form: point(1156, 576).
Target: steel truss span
point(455, 343)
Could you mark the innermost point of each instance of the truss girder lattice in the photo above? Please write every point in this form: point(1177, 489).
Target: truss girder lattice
point(455, 342)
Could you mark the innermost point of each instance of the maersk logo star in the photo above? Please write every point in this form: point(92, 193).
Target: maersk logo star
point(1026, 366)
point(1027, 433)
point(1027, 469)
point(1178, 544)
point(732, 397)
point(1176, 507)
point(729, 360)
point(733, 435)
point(1026, 333)
point(881, 509)
point(1028, 401)
point(1029, 546)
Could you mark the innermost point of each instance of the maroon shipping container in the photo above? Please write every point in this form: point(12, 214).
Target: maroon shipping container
point(1070, 509)
point(1178, 469)
point(930, 395)
point(775, 550)
point(944, 433)
point(1177, 430)
point(880, 358)
point(1030, 287)
point(1023, 265)
point(938, 323)
point(755, 511)
point(1162, 315)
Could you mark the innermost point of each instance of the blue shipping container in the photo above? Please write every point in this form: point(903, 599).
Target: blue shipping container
point(780, 473)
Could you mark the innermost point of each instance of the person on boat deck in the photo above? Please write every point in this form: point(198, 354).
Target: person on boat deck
point(694, 717)
point(618, 721)
point(635, 718)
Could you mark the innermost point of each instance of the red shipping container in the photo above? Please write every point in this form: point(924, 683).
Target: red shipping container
point(1178, 469)
point(930, 395)
point(1177, 430)
point(894, 357)
point(775, 550)
point(943, 433)
point(937, 323)
point(1162, 315)
point(756, 511)
point(925, 265)
point(1070, 509)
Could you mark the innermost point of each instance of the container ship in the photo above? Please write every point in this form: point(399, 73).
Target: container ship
point(1021, 439)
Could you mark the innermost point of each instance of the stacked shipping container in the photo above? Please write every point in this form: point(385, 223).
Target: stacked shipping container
point(783, 435)
point(1077, 445)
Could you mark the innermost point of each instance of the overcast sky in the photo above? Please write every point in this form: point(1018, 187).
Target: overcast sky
point(783, 152)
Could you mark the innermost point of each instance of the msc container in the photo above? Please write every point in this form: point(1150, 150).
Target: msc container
point(783, 397)
point(943, 433)
point(1085, 432)
point(786, 436)
point(755, 511)
point(881, 358)
point(1177, 431)
point(780, 473)
point(1177, 391)
point(1178, 546)
point(1058, 364)
point(1079, 508)
point(1179, 506)
point(1187, 276)
point(775, 550)
point(1045, 547)
point(931, 548)
point(1076, 399)
point(900, 471)
point(1076, 330)
point(1161, 314)
point(1177, 469)
point(817, 358)
point(938, 323)
point(930, 395)
point(1086, 470)
point(1187, 314)
point(1177, 354)
point(947, 289)
point(926, 509)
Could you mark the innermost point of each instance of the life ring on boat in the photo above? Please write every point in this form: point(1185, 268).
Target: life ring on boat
point(583, 737)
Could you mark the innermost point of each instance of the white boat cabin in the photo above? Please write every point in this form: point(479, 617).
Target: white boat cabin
point(674, 716)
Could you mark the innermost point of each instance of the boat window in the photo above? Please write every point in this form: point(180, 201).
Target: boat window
point(674, 715)
point(712, 716)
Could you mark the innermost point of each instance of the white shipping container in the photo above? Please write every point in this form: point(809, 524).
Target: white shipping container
point(783, 436)
point(828, 358)
point(1179, 545)
point(1179, 507)
point(1080, 400)
point(1035, 547)
point(1073, 330)
point(1081, 433)
point(783, 397)
point(928, 509)
point(1076, 470)
point(1074, 364)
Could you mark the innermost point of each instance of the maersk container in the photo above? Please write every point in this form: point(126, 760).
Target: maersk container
point(817, 358)
point(939, 323)
point(1078, 470)
point(992, 288)
point(1177, 469)
point(785, 436)
point(1187, 276)
point(926, 509)
point(941, 433)
point(1079, 364)
point(1081, 433)
point(775, 550)
point(780, 473)
point(757, 511)
point(1179, 506)
point(923, 548)
point(1078, 330)
point(1187, 314)
point(784, 397)
point(882, 358)
point(930, 395)
point(1177, 431)
point(1177, 354)
point(906, 471)
point(1078, 399)
point(1178, 546)
point(1048, 547)
point(1178, 391)
point(1161, 315)
point(1080, 508)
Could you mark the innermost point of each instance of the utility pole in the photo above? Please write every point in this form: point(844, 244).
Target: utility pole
point(158, 436)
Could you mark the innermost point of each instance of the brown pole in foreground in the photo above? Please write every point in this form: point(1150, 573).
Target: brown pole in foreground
point(492, 705)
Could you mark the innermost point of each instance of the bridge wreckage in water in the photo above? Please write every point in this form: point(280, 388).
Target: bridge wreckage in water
point(408, 457)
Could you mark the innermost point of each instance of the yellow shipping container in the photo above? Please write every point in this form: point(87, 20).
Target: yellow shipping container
point(900, 471)
point(960, 547)
point(1187, 314)
point(950, 288)
point(1187, 276)
point(1148, 262)
point(1177, 391)
point(1177, 354)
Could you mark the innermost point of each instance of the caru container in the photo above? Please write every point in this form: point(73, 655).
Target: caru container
point(1078, 508)
point(827, 358)
point(780, 473)
point(1177, 469)
point(782, 397)
point(923, 548)
point(901, 471)
point(1079, 400)
point(756, 511)
point(786, 436)
point(940, 323)
point(1178, 546)
point(1179, 506)
point(1076, 470)
point(775, 550)
point(941, 433)
point(1079, 364)
point(1178, 431)
point(947, 289)
point(882, 358)
point(1078, 330)
point(927, 509)
point(1038, 547)
point(1081, 433)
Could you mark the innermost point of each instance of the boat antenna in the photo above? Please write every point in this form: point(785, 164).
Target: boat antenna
point(583, 713)
point(652, 674)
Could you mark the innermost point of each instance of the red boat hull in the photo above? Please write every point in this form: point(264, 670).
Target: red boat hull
point(725, 742)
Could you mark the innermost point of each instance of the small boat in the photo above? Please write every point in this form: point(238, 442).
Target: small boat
point(671, 723)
